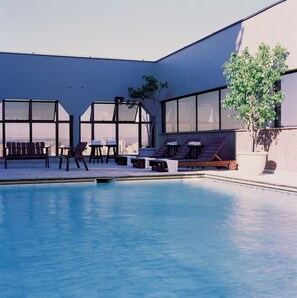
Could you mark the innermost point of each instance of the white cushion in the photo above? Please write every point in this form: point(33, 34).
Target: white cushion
point(96, 142)
point(111, 142)
point(171, 143)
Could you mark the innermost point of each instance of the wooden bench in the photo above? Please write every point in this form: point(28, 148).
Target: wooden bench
point(26, 150)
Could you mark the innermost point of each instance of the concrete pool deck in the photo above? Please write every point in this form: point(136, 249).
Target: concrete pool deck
point(30, 171)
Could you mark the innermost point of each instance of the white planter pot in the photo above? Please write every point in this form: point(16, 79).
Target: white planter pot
point(147, 151)
point(251, 163)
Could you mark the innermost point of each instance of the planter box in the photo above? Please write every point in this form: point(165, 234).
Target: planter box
point(251, 163)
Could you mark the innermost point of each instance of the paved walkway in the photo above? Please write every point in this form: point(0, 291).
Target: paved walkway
point(29, 171)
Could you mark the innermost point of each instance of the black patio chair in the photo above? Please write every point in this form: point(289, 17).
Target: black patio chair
point(73, 152)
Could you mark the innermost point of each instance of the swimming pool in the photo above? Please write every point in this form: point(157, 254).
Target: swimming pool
point(169, 238)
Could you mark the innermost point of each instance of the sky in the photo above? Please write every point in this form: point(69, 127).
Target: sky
point(118, 29)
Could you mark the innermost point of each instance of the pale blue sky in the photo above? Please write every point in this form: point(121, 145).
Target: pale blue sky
point(125, 29)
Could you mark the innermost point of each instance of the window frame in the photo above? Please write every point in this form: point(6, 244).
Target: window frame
point(197, 94)
point(30, 121)
point(115, 119)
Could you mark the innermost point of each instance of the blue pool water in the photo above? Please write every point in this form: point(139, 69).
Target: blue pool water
point(172, 238)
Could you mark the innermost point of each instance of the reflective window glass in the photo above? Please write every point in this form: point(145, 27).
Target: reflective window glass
point(86, 116)
point(144, 135)
point(208, 111)
point(45, 132)
point(17, 110)
point(64, 134)
point(126, 113)
point(17, 132)
point(171, 116)
point(187, 114)
point(1, 138)
point(145, 117)
point(105, 132)
point(103, 112)
point(289, 105)
point(43, 111)
point(128, 139)
point(85, 132)
point(63, 115)
point(228, 122)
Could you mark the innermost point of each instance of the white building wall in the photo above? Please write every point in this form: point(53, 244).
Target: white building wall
point(198, 67)
point(275, 25)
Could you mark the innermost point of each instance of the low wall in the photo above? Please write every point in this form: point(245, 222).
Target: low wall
point(281, 145)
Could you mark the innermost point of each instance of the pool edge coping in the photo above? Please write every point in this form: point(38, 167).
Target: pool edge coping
point(104, 179)
point(245, 181)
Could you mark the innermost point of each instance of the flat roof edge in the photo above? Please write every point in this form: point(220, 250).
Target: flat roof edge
point(75, 57)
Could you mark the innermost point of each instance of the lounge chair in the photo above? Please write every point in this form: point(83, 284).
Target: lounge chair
point(209, 157)
point(164, 152)
point(73, 152)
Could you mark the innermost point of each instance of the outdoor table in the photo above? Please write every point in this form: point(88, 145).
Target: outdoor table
point(194, 151)
point(114, 147)
point(171, 150)
point(96, 153)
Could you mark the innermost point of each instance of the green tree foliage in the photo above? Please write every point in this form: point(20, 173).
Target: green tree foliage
point(149, 95)
point(252, 81)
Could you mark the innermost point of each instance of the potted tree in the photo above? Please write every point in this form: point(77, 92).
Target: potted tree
point(252, 80)
point(149, 95)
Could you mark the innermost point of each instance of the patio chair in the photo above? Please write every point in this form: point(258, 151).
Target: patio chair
point(209, 157)
point(73, 152)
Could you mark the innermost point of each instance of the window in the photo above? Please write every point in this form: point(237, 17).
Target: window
point(228, 122)
point(36, 120)
point(171, 116)
point(17, 132)
point(208, 111)
point(128, 136)
point(201, 112)
point(187, 114)
point(112, 121)
point(43, 111)
point(17, 110)
point(127, 114)
point(289, 105)
point(104, 112)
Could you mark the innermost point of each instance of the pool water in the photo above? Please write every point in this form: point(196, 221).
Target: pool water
point(169, 238)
